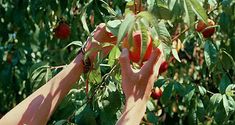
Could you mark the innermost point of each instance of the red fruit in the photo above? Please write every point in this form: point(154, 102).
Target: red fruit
point(156, 93)
point(135, 50)
point(163, 67)
point(201, 27)
point(62, 31)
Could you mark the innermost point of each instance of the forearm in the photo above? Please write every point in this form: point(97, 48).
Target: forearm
point(133, 112)
point(38, 107)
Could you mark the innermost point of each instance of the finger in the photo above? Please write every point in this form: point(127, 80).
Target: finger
point(148, 67)
point(125, 62)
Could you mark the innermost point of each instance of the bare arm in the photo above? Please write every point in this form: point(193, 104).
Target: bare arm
point(39, 106)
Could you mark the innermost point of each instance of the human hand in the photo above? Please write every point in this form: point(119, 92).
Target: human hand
point(101, 36)
point(138, 85)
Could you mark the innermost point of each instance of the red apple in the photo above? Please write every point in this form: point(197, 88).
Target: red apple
point(62, 31)
point(156, 93)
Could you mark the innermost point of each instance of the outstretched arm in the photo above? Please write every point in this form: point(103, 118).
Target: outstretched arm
point(39, 106)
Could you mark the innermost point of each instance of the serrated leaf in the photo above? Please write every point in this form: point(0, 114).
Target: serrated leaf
point(199, 10)
point(210, 53)
point(125, 26)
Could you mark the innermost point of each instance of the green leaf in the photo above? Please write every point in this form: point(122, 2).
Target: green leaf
point(228, 62)
point(200, 110)
point(108, 8)
point(163, 33)
point(125, 26)
point(147, 16)
point(76, 43)
point(225, 81)
point(152, 117)
point(144, 39)
point(114, 55)
point(175, 54)
point(190, 17)
point(150, 106)
point(113, 26)
point(202, 90)
point(215, 99)
point(230, 90)
point(210, 54)
point(199, 10)
point(189, 92)
point(167, 93)
point(226, 105)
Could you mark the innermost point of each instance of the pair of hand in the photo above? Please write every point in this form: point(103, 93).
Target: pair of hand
point(136, 85)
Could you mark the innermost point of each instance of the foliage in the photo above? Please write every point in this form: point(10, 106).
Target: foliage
point(198, 87)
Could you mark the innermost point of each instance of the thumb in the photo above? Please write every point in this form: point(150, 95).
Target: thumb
point(125, 62)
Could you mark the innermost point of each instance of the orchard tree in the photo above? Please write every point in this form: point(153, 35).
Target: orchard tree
point(197, 37)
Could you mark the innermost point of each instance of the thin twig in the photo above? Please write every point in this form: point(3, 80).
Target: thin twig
point(176, 37)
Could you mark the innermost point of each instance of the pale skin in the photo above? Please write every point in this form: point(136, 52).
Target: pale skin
point(39, 106)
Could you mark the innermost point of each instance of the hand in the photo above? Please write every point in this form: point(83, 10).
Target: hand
point(101, 35)
point(138, 85)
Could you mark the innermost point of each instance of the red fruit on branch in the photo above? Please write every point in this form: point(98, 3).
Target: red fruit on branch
point(163, 67)
point(204, 29)
point(135, 50)
point(156, 93)
point(62, 31)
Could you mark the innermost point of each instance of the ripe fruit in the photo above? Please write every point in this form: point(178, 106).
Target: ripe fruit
point(163, 67)
point(135, 50)
point(201, 27)
point(156, 93)
point(62, 31)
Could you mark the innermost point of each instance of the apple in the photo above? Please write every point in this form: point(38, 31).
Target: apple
point(156, 93)
point(203, 28)
point(135, 50)
point(62, 31)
